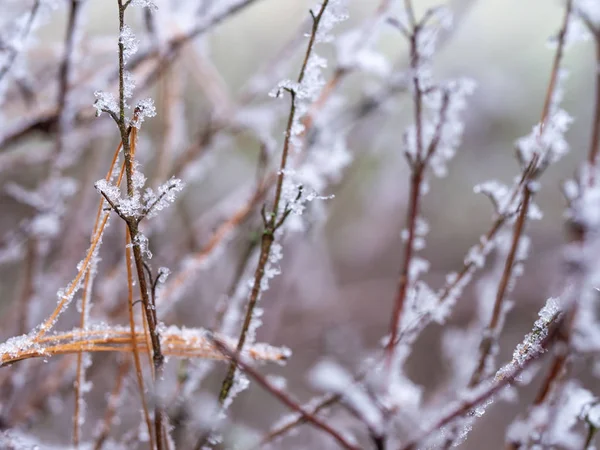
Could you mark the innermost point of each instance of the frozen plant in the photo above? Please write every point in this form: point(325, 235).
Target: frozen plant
point(284, 207)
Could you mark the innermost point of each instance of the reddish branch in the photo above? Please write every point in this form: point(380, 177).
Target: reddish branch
point(492, 329)
point(481, 394)
point(418, 164)
point(282, 396)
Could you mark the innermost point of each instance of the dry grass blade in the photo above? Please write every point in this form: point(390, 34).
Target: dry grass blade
point(183, 343)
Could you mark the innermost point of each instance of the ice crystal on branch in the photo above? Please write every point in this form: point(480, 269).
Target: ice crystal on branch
point(129, 41)
point(143, 109)
point(162, 198)
point(335, 13)
point(531, 345)
point(105, 102)
point(145, 4)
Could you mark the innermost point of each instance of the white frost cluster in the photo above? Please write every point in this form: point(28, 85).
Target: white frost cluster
point(335, 13)
point(441, 124)
point(163, 197)
point(531, 345)
point(584, 202)
point(576, 404)
point(129, 41)
point(105, 102)
point(144, 108)
point(308, 89)
point(547, 140)
point(146, 205)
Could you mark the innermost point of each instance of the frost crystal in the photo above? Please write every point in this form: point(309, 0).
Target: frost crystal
point(128, 84)
point(105, 102)
point(144, 108)
point(336, 12)
point(165, 195)
point(129, 41)
point(142, 242)
point(145, 4)
point(163, 274)
point(531, 345)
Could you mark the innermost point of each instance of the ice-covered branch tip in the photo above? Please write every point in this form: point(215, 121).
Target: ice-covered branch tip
point(129, 41)
point(106, 102)
point(140, 206)
point(533, 343)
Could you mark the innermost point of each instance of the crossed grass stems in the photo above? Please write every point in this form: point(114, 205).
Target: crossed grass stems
point(155, 346)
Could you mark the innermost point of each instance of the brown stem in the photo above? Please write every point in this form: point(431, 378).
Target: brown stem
point(418, 164)
point(556, 65)
point(412, 215)
point(135, 353)
point(133, 227)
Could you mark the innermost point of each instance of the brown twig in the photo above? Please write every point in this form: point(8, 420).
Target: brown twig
point(418, 164)
point(135, 351)
point(274, 221)
point(492, 329)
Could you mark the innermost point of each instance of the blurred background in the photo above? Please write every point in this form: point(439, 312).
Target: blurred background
point(339, 275)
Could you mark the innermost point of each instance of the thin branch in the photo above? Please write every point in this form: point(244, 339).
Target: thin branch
point(278, 431)
point(282, 396)
point(480, 394)
point(271, 224)
point(562, 34)
point(135, 351)
point(491, 332)
point(128, 141)
point(418, 167)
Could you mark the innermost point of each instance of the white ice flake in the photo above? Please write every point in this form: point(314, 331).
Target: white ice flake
point(105, 102)
point(143, 109)
point(129, 41)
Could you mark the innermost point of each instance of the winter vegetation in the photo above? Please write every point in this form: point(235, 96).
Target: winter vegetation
point(138, 293)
